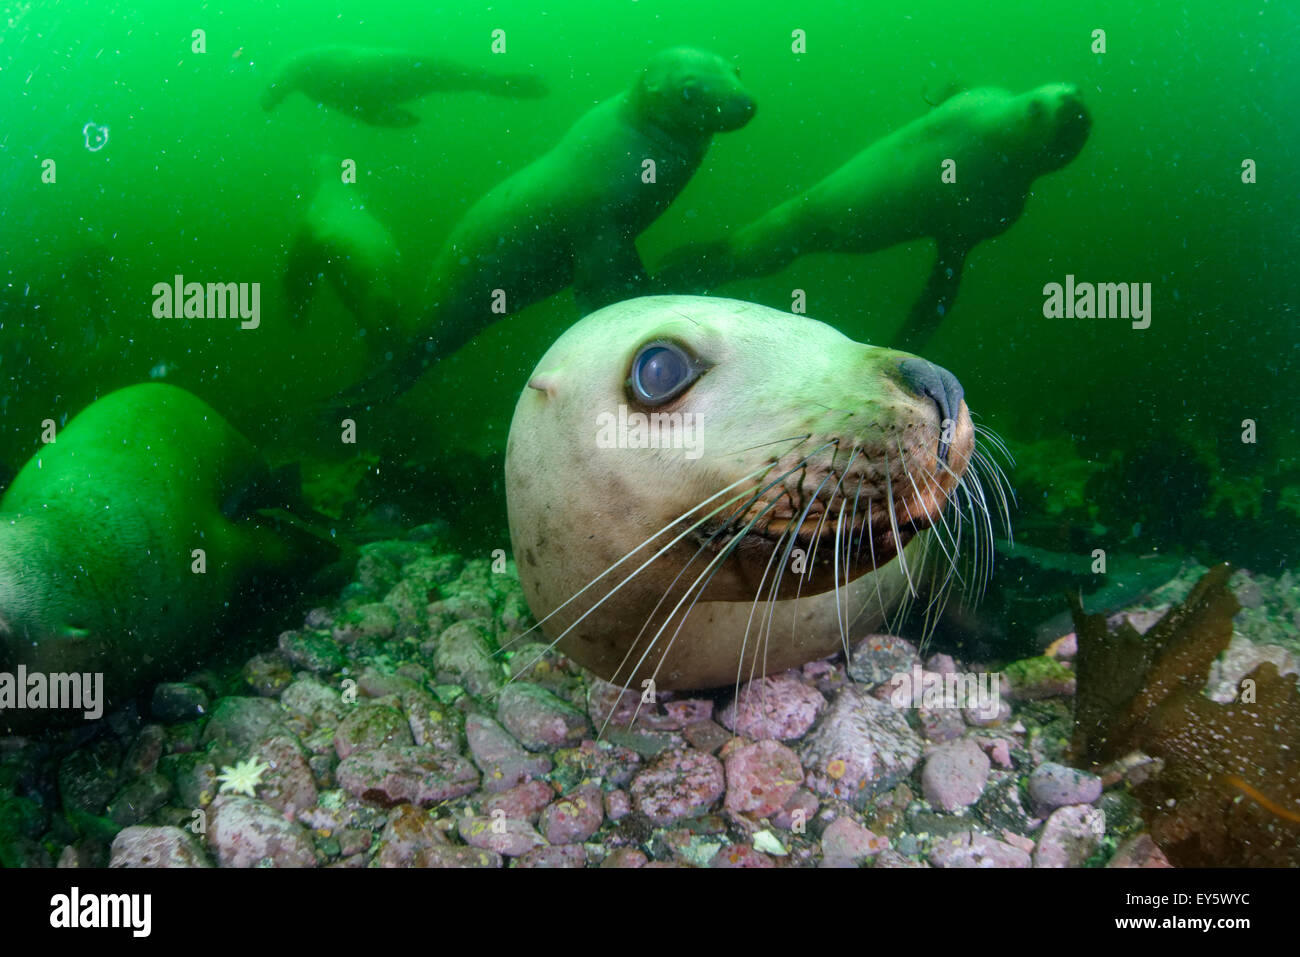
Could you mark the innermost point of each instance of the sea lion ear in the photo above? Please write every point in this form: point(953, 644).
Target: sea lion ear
point(544, 382)
point(936, 94)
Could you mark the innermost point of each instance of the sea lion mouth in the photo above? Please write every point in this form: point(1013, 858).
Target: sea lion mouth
point(1073, 126)
point(846, 518)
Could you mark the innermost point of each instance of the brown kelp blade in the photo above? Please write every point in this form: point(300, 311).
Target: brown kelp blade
point(1228, 792)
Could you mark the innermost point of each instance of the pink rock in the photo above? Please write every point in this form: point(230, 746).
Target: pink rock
point(568, 855)
point(941, 724)
point(1070, 836)
point(140, 846)
point(406, 775)
point(455, 856)
point(979, 718)
point(1054, 785)
point(954, 775)
point(707, 736)
point(500, 834)
point(973, 849)
point(740, 855)
point(890, 858)
point(1064, 648)
point(618, 805)
point(779, 707)
point(409, 833)
point(246, 832)
point(371, 726)
point(999, 751)
point(523, 802)
point(861, 748)
point(877, 658)
point(539, 719)
point(1139, 850)
point(432, 722)
point(239, 723)
point(288, 784)
point(941, 663)
point(846, 843)
point(145, 751)
point(575, 818)
point(761, 778)
point(1026, 844)
point(620, 707)
point(797, 812)
point(353, 840)
point(316, 701)
point(625, 857)
point(503, 762)
point(680, 783)
point(601, 760)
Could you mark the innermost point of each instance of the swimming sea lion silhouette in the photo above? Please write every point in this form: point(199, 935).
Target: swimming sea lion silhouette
point(572, 216)
point(894, 191)
point(371, 84)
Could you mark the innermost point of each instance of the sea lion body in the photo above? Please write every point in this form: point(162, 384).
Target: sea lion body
point(571, 218)
point(97, 535)
point(777, 389)
point(370, 84)
point(892, 192)
point(341, 241)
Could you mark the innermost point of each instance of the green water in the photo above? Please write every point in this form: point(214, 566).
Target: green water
point(197, 179)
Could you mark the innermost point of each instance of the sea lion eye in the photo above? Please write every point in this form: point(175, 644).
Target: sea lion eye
point(662, 371)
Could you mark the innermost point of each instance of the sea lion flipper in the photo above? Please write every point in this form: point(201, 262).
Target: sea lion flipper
point(275, 91)
point(307, 261)
point(608, 270)
point(385, 114)
point(304, 542)
point(935, 300)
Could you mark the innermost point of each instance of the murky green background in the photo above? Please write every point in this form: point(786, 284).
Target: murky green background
point(197, 179)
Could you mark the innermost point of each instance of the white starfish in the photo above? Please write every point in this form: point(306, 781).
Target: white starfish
point(243, 778)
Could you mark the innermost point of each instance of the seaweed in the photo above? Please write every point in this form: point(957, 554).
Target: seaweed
point(1228, 789)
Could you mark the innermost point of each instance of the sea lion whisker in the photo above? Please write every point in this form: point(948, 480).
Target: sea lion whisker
point(880, 595)
point(816, 537)
point(995, 440)
point(726, 552)
point(1002, 486)
point(920, 497)
point(893, 524)
point(710, 570)
point(699, 551)
point(671, 525)
point(841, 599)
point(770, 615)
point(762, 445)
point(650, 561)
point(754, 496)
point(987, 524)
point(753, 605)
point(942, 518)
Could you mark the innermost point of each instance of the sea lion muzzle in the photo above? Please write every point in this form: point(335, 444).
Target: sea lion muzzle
point(941, 387)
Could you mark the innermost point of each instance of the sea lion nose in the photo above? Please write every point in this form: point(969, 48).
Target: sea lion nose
point(939, 386)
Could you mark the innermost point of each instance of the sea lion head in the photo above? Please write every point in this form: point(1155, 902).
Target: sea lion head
point(689, 90)
point(1058, 121)
point(704, 443)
